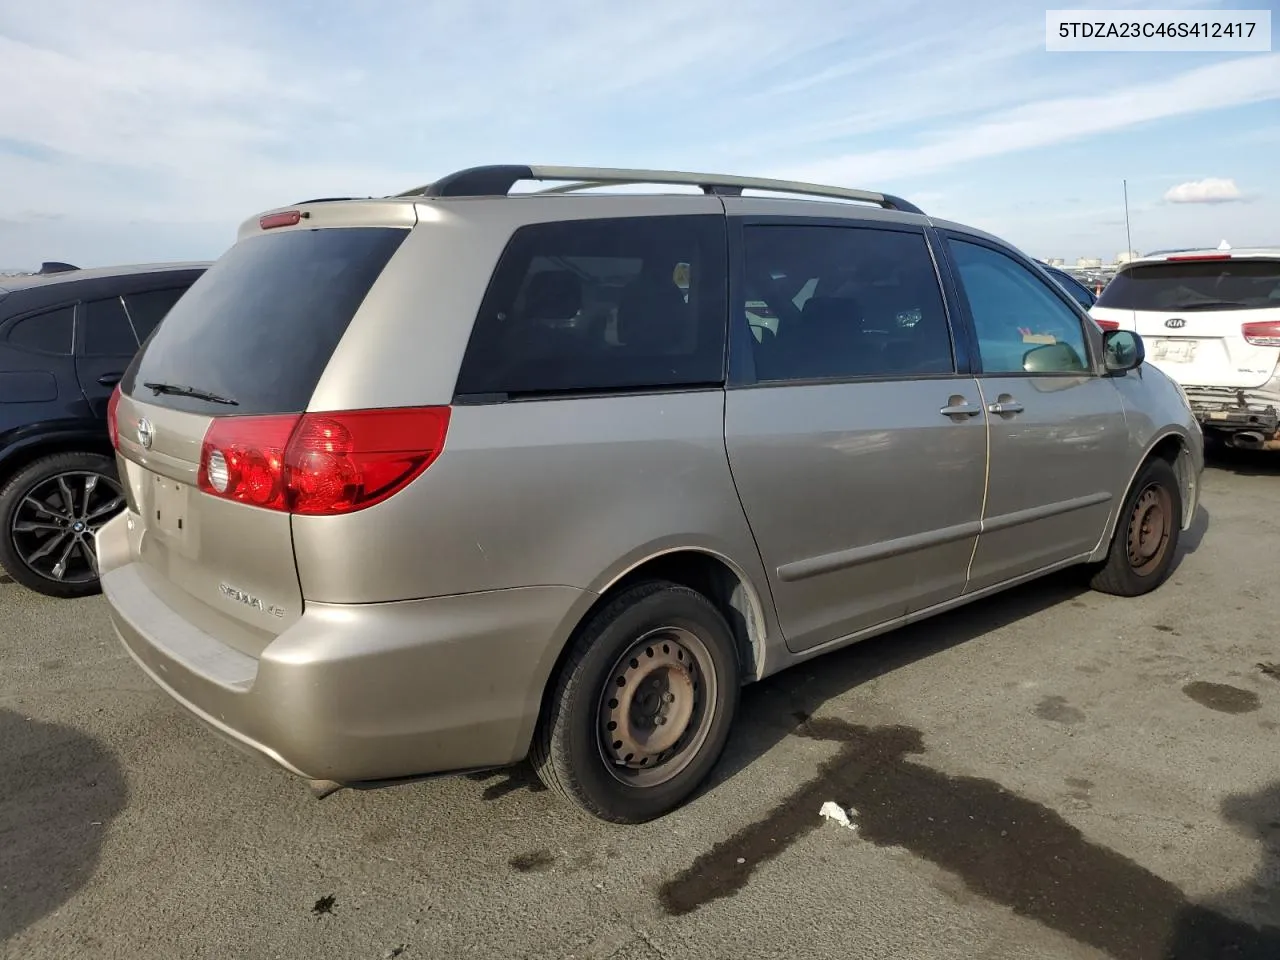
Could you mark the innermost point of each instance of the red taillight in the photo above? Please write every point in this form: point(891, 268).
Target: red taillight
point(1107, 324)
point(1263, 333)
point(113, 418)
point(1198, 256)
point(320, 463)
point(242, 459)
point(287, 219)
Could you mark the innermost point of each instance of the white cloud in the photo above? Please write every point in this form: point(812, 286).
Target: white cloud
point(1208, 190)
point(1244, 80)
point(132, 118)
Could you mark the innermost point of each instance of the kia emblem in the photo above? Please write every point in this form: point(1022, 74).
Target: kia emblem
point(146, 433)
point(1176, 323)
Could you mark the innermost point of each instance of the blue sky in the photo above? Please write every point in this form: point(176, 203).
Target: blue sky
point(143, 131)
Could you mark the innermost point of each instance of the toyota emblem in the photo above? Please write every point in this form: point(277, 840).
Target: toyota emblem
point(146, 433)
point(1176, 323)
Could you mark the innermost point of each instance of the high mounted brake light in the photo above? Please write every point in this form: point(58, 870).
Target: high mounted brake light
point(1199, 256)
point(320, 464)
point(287, 219)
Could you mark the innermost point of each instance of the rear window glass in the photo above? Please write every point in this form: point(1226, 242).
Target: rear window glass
point(599, 305)
point(45, 332)
point(1196, 285)
point(107, 331)
point(260, 325)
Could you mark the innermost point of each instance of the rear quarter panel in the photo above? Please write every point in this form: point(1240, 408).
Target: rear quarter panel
point(553, 492)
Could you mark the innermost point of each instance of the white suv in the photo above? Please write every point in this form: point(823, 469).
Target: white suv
point(1211, 320)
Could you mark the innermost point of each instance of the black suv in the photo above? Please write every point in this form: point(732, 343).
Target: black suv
point(66, 337)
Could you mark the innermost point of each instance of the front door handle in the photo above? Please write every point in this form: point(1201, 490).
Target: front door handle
point(110, 379)
point(1005, 405)
point(958, 406)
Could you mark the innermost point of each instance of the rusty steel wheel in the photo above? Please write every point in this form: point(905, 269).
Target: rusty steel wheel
point(653, 715)
point(639, 711)
point(1145, 541)
point(1149, 526)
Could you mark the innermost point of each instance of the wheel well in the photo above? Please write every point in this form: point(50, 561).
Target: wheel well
point(709, 576)
point(1168, 449)
point(29, 454)
point(719, 583)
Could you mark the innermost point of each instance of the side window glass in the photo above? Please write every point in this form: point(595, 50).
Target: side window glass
point(146, 310)
point(843, 302)
point(607, 304)
point(50, 332)
point(107, 332)
point(1022, 326)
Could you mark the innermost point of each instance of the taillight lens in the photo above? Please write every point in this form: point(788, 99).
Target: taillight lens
point(1263, 333)
point(242, 459)
point(1107, 324)
point(320, 464)
point(113, 418)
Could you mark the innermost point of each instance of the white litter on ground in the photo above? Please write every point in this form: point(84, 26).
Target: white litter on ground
point(833, 811)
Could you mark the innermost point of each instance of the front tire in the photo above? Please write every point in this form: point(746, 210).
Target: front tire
point(49, 511)
point(1145, 541)
point(641, 709)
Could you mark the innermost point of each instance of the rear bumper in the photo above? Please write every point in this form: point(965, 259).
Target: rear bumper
point(363, 692)
point(1223, 410)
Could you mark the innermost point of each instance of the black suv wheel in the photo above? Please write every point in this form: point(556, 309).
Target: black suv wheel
point(49, 512)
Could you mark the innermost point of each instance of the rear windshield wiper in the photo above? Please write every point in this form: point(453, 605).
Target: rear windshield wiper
point(193, 392)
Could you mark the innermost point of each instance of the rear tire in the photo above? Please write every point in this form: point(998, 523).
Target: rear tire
point(1145, 541)
point(641, 709)
point(33, 500)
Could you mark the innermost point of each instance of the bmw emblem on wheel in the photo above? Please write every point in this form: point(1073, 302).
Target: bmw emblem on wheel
point(146, 433)
point(1176, 323)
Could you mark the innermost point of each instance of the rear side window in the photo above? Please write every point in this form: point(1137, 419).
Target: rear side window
point(828, 302)
point(599, 305)
point(49, 332)
point(146, 310)
point(107, 331)
point(261, 324)
point(1195, 285)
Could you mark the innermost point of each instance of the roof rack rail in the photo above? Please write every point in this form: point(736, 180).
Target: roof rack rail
point(497, 181)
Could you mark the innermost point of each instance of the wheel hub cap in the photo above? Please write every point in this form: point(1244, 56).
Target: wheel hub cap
point(1149, 528)
point(653, 708)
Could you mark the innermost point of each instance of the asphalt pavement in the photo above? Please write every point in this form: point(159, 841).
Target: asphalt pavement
point(1048, 774)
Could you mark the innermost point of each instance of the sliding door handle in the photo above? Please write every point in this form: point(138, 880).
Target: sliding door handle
point(1005, 406)
point(957, 407)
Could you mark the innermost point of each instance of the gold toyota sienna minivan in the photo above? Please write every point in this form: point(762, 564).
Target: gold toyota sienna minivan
point(439, 481)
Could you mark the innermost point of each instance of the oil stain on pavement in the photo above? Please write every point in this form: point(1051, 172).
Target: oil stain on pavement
point(1222, 697)
point(535, 861)
point(1057, 710)
point(1003, 847)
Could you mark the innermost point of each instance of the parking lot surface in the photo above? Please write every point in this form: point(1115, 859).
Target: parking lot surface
point(1050, 773)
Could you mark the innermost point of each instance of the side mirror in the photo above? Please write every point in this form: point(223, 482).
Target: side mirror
point(1122, 350)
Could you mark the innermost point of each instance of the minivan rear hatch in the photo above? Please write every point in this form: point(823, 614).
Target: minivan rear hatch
point(239, 355)
point(1208, 320)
